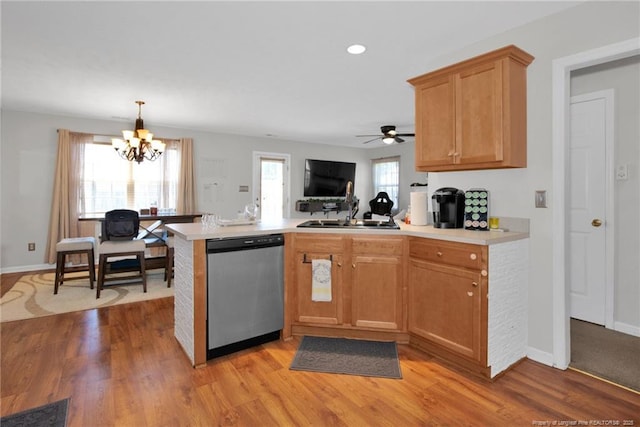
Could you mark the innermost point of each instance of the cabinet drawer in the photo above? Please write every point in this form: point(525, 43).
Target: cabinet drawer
point(458, 254)
point(319, 243)
point(377, 245)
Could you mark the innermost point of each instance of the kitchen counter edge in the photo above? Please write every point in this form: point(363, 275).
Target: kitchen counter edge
point(197, 231)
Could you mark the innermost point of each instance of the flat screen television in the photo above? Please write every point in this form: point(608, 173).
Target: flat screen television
point(326, 178)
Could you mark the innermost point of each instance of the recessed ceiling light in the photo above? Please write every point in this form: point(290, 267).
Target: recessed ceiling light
point(356, 49)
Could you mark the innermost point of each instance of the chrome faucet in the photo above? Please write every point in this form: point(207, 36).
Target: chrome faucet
point(349, 201)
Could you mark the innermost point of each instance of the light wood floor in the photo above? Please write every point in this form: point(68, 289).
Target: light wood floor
point(121, 366)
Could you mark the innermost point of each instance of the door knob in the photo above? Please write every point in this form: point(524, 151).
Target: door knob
point(596, 222)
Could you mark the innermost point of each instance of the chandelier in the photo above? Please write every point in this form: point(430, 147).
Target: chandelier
point(138, 144)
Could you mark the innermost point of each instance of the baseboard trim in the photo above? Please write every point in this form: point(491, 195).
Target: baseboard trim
point(540, 356)
point(625, 328)
point(27, 268)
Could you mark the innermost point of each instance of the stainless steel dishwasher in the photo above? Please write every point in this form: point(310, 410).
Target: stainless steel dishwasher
point(245, 292)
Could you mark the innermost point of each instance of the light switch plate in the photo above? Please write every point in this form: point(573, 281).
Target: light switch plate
point(541, 198)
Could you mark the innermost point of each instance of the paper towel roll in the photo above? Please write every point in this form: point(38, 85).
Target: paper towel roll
point(419, 208)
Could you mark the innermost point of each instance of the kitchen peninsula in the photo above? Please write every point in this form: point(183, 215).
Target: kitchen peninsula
point(458, 294)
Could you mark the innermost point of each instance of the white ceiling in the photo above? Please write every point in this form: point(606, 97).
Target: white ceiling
point(248, 68)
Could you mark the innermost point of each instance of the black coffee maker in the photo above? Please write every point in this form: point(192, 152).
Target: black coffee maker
point(448, 208)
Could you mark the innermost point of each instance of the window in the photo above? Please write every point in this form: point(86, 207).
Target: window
point(113, 183)
point(386, 177)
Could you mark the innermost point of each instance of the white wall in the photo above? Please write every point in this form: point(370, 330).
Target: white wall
point(584, 27)
point(28, 155)
point(624, 77)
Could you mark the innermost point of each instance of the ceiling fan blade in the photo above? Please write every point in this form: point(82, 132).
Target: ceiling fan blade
point(399, 140)
point(371, 140)
point(405, 134)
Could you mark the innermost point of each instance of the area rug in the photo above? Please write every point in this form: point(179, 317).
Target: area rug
point(605, 353)
point(32, 295)
point(52, 414)
point(347, 356)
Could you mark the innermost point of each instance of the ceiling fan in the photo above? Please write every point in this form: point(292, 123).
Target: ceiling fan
point(389, 135)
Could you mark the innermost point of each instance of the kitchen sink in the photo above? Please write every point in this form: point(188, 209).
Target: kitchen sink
point(359, 223)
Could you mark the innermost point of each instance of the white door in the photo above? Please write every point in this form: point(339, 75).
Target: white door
point(271, 185)
point(587, 206)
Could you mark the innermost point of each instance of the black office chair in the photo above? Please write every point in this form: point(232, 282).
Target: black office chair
point(380, 205)
point(119, 231)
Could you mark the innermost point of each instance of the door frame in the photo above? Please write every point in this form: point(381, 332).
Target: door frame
point(257, 156)
point(561, 73)
point(609, 216)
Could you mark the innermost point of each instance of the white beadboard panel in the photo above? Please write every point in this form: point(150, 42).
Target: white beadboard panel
point(184, 304)
point(508, 317)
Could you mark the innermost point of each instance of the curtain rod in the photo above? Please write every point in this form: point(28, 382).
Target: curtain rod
point(116, 136)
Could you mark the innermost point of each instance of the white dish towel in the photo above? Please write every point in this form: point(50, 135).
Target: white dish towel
point(321, 280)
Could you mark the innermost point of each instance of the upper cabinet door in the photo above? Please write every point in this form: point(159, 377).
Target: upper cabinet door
point(435, 124)
point(479, 114)
point(472, 115)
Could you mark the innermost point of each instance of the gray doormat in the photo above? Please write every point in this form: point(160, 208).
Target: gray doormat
point(347, 356)
point(49, 415)
point(605, 353)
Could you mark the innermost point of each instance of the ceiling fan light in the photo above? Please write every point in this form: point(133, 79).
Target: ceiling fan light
point(388, 140)
point(127, 135)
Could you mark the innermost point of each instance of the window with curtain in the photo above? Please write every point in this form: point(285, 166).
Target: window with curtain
point(386, 177)
point(111, 182)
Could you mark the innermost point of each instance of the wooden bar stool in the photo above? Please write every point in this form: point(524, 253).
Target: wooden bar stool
point(111, 249)
point(70, 246)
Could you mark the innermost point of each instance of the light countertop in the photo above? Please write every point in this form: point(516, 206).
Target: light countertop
point(198, 231)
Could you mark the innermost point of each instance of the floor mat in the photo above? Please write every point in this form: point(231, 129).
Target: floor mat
point(52, 415)
point(347, 356)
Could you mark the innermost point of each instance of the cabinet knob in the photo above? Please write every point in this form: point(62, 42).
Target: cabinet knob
point(484, 273)
point(439, 253)
point(353, 266)
point(475, 284)
point(450, 154)
point(339, 264)
point(473, 256)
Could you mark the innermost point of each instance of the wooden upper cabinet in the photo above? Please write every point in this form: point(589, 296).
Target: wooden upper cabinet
point(472, 115)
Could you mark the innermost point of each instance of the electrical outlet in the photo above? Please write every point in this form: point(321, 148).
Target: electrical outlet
point(622, 172)
point(31, 246)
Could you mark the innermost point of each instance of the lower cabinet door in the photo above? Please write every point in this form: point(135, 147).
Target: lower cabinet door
point(447, 306)
point(318, 312)
point(377, 292)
